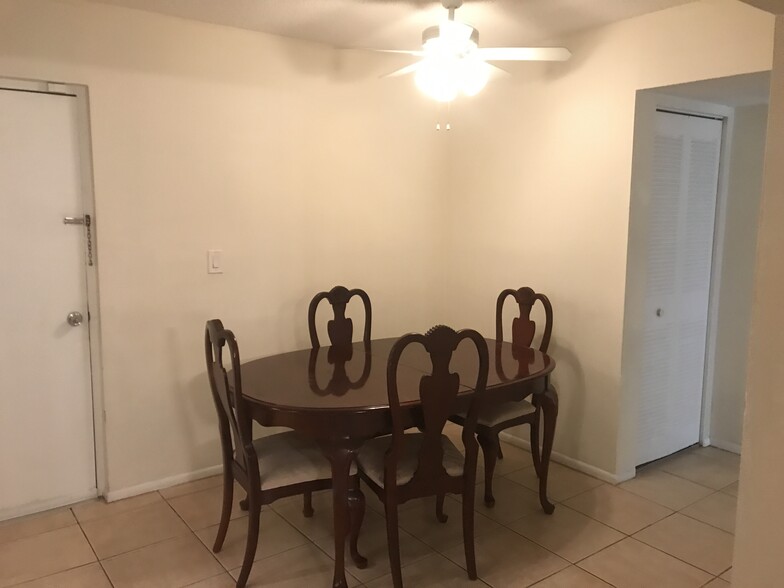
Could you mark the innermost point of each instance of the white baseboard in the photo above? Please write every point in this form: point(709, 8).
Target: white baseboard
point(725, 445)
point(575, 464)
point(34, 507)
point(113, 495)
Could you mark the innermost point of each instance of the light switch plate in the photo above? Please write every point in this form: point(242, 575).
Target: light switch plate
point(214, 261)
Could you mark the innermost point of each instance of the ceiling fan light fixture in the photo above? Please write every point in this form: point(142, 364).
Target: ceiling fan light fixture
point(475, 74)
point(438, 77)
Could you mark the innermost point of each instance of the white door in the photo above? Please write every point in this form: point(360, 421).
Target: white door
point(47, 452)
point(681, 219)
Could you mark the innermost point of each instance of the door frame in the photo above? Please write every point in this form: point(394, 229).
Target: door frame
point(81, 93)
point(648, 103)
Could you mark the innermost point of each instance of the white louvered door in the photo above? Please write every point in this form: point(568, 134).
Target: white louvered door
point(681, 219)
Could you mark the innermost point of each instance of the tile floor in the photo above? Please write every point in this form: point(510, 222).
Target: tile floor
point(671, 526)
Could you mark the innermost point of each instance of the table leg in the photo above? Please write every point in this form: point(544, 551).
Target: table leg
point(549, 404)
point(340, 456)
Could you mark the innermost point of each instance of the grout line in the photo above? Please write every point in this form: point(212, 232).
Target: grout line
point(97, 559)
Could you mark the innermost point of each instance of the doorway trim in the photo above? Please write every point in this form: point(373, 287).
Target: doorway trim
point(647, 104)
point(81, 93)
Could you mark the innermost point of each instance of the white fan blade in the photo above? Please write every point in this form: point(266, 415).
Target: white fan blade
point(404, 70)
point(400, 51)
point(498, 72)
point(524, 53)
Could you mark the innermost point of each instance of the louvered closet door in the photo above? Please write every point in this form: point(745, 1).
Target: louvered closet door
point(681, 219)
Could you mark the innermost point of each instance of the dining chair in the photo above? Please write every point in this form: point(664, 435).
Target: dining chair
point(501, 416)
point(341, 328)
point(268, 468)
point(404, 466)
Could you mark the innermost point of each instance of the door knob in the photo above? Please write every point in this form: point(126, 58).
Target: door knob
point(75, 318)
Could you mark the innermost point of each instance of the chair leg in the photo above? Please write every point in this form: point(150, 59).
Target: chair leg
point(500, 452)
point(244, 503)
point(393, 543)
point(535, 452)
point(468, 531)
point(356, 507)
point(228, 501)
point(307, 504)
point(488, 440)
point(254, 512)
point(441, 516)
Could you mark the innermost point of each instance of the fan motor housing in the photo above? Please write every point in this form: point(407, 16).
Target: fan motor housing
point(434, 31)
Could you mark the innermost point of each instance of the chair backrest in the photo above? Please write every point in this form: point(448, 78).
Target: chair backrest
point(523, 328)
point(233, 419)
point(438, 392)
point(340, 328)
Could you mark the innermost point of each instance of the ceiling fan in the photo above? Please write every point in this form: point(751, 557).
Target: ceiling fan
point(453, 63)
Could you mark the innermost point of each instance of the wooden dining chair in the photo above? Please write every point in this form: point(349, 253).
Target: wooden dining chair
point(498, 417)
point(341, 328)
point(269, 468)
point(404, 466)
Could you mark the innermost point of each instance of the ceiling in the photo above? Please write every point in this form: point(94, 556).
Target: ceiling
point(397, 24)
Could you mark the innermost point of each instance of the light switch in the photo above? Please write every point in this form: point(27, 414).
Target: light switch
point(214, 261)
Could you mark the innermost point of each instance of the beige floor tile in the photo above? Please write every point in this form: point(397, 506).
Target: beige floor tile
point(93, 509)
point(732, 489)
point(666, 489)
point(191, 487)
point(222, 581)
point(618, 508)
point(515, 458)
point(568, 533)
point(275, 536)
point(203, 508)
point(131, 530)
point(512, 501)
point(174, 562)
point(434, 571)
point(562, 482)
point(631, 564)
point(701, 468)
point(420, 521)
point(717, 583)
point(507, 559)
point(43, 555)
point(373, 545)
point(727, 575)
point(701, 545)
point(301, 567)
point(320, 525)
point(727, 457)
point(36, 524)
point(89, 576)
point(572, 577)
point(717, 510)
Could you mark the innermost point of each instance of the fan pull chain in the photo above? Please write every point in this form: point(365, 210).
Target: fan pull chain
point(448, 124)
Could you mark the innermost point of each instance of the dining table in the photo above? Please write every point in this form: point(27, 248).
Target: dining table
point(337, 396)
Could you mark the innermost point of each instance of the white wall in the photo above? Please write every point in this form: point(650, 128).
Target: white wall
point(291, 157)
point(540, 188)
point(757, 560)
point(747, 155)
point(308, 171)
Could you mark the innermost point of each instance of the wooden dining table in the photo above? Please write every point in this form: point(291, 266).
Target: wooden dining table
point(337, 396)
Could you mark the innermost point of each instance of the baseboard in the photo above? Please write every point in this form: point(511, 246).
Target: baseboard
point(575, 464)
point(725, 445)
point(36, 507)
point(113, 495)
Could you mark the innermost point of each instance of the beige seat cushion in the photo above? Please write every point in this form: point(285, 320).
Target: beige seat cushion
point(287, 458)
point(496, 414)
point(371, 457)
